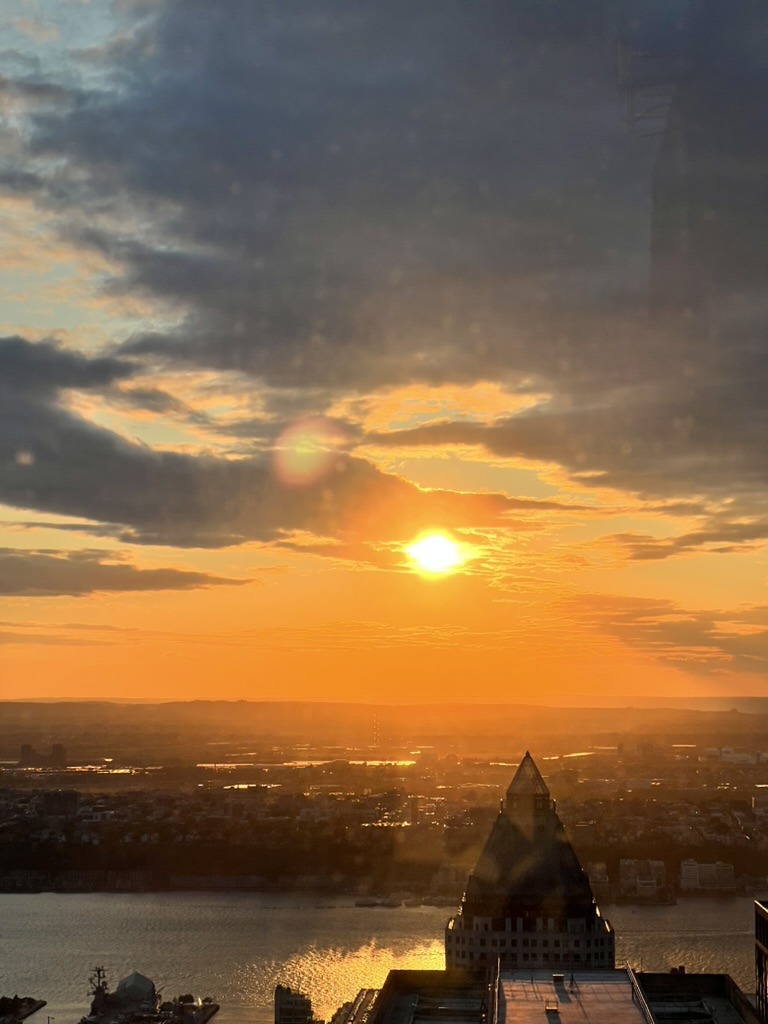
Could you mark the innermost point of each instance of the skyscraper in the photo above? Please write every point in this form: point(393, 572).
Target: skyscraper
point(528, 902)
point(710, 191)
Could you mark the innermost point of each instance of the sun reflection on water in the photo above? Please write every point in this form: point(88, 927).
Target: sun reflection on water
point(330, 977)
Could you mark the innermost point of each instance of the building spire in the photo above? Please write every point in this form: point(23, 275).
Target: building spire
point(527, 780)
point(528, 893)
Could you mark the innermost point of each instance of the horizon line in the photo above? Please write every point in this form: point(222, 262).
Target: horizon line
point(583, 701)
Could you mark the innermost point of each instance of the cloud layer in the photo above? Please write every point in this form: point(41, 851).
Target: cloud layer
point(313, 205)
point(54, 460)
point(54, 574)
point(336, 199)
point(697, 641)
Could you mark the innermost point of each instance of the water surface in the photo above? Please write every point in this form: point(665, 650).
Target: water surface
point(237, 946)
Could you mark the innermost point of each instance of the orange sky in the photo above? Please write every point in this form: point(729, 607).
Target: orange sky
point(265, 322)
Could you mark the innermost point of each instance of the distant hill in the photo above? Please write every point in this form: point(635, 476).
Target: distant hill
point(198, 726)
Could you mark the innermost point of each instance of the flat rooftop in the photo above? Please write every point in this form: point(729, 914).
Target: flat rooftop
point(524, 996)
point(549, 997)
point(705, 998)
point(583, 996)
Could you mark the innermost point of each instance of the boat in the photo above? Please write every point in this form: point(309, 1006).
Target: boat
point(14, 1009)
point(137, 1001)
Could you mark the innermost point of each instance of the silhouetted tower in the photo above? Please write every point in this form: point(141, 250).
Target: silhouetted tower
point(58, 757)
point(696, 72)
point(710, 187)
point(528, 902)
point(651, 58)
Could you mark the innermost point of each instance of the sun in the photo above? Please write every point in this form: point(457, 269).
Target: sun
point(435, 553)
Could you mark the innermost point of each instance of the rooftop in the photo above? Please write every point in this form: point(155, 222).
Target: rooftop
point(705, 998)
point(583, 996)
point(546, 997)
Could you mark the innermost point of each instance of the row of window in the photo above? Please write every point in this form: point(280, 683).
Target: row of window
point(486, 924)
point(499, 943)
point(532, 958)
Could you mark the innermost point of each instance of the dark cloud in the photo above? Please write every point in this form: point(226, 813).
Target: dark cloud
point(20, 181)
point(718, 537)
point(43, 367)
point(698, 429)
point(695, 641)
point(328, 170)
point(338, 197)
point(74, 574)
point(32, 88)
point(160, 403)
point(54, 460)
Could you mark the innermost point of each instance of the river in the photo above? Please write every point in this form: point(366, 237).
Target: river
point(237, 946)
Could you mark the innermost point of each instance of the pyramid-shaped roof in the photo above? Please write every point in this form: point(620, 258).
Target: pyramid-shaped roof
point(527, 780)
point(527, 866)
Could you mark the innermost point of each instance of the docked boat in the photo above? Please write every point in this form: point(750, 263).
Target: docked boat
point(14, 1009)
point(137, 1001)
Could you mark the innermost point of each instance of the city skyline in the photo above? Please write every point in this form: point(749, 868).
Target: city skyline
point(362, 353)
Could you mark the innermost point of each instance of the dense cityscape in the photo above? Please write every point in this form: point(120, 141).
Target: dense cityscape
point(651, 819)
point(526, 924)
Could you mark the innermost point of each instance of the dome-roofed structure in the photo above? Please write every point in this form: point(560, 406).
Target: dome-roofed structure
point(135, 990)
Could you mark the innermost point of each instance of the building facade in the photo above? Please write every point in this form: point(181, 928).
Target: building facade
point(761, 959)
point(292, 1007)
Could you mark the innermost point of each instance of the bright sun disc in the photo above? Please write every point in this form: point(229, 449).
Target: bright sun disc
point(435, 553)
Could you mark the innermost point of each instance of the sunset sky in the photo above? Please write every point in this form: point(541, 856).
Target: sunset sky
point(288, 285)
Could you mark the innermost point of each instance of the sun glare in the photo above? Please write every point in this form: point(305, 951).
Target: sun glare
point(435, 553)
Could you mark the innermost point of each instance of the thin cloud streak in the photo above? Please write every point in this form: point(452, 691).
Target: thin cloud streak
point(79, 573)
point(696, 641)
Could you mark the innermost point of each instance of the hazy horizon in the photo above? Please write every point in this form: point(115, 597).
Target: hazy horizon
point(744, 704)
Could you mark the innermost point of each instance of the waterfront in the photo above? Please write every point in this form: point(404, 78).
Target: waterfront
point(237, 946)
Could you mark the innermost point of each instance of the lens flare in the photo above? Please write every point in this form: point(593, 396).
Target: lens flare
point(435, 553)
point(307, 451)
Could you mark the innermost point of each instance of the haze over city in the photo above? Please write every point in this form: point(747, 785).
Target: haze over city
point(356, 352)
